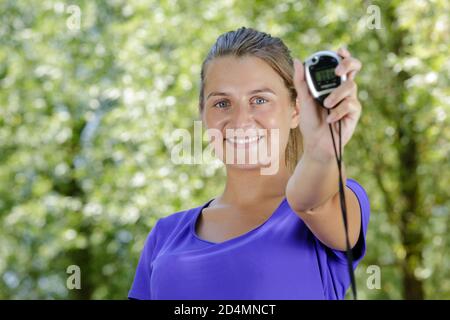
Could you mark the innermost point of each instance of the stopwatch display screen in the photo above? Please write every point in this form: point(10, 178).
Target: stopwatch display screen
point(325, 75)
point(325, 78)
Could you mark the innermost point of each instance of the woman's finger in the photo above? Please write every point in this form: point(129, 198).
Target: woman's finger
point(348, 65)
point(347, 89)
point(343, 52)
point(348, 106)
point(299, 81)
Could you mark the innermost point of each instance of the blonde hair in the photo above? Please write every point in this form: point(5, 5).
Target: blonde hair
point(250, 42)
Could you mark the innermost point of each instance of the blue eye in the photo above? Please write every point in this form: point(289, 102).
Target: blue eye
point(223, 104)
point(260, 99)
point(220, 104)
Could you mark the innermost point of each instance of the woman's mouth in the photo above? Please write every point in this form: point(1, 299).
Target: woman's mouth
point(244, 142)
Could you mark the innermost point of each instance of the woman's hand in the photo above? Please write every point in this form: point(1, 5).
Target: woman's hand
point(343, 104)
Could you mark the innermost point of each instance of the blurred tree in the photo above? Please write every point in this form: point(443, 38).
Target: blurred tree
point(91, 93)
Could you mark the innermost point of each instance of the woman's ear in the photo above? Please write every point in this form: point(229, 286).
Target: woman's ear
point(295, 116)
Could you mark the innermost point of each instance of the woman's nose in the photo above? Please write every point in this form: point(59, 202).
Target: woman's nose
point(242, 116)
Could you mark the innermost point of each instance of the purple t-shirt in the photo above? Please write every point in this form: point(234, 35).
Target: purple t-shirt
point(280, 259)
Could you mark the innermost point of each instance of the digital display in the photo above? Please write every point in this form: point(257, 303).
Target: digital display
point(325, 75)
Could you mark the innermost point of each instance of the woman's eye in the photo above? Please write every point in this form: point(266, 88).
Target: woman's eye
point(260, 100)
point(221, 104)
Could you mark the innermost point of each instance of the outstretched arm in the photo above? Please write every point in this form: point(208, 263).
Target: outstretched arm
point(313, 189)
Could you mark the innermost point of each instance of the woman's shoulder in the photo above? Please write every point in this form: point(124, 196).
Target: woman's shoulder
point(178, 219)
point(360, 193)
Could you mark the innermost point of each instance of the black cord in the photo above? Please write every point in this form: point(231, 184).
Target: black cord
point(343, 205)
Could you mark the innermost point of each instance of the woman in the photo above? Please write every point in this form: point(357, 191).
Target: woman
point(267, 236)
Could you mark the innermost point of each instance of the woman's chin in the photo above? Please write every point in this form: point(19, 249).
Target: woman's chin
point(245, 166)
point(249, 165)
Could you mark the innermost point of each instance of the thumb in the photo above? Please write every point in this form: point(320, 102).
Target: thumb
point(299, 81)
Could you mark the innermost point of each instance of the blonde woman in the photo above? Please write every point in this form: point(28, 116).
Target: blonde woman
point(267, 236)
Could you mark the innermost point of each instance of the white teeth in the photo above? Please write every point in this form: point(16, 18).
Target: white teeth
point(243, 141)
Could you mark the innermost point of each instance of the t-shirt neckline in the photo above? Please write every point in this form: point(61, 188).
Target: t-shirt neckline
point(232, 240)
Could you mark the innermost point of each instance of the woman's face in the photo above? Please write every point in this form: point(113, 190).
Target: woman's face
point(245, 97)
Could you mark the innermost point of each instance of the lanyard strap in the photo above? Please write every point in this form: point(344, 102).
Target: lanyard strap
point(348, 251)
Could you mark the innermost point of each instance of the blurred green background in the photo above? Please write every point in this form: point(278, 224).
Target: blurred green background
point(91, 91)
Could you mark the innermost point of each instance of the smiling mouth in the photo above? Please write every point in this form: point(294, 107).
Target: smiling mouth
point(243, 141)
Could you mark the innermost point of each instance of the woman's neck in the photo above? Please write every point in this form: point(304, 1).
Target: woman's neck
point(247, 187)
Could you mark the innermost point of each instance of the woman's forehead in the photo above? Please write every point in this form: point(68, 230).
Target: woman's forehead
point(241, 65)
point(247, 73)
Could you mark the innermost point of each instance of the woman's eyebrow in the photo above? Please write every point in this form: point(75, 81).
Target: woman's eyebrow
point(218, 93)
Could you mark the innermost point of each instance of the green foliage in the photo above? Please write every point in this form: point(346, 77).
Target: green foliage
point(86, 116)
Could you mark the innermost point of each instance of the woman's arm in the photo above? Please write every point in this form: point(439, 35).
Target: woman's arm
point(313, 193)
point(313, 189)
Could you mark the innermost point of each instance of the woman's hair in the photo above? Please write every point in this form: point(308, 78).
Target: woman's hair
point(250, 42)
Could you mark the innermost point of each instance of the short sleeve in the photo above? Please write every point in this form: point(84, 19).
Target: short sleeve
point(359, 249)
point(336, 260)
point(140, 288)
